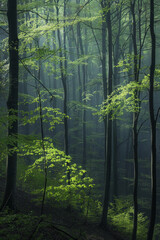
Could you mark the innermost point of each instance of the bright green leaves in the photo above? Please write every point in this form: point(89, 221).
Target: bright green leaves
point(122, 99)
point(58, 164)
point(51, 116)
point(126, 65)
point(121, 216)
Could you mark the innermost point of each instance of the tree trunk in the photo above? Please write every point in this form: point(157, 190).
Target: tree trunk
point(135, 132)
point(12, 105)
point(116, 82)
point(109, 126)
point(64, 83)
point(79, 36)
point(153, 125)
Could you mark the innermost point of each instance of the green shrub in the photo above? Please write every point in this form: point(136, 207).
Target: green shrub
point(120, 216)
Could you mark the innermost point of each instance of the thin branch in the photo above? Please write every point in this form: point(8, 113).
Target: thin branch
point(157, 114)
point(78, 12)
point(60, 230)
point(4, 30)
point(3, 10)
point(35, 229)
point(141, 126)
point(38, 80)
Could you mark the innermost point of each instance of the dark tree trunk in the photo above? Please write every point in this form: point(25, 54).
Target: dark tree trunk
point(116, 82)
point(135, 132)
point(109, 126)
point(12, 105)
point(79, 36)
point(153, 125)
point(64, 83)
point(84, 102)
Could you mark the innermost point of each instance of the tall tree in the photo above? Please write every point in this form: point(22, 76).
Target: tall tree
point(135, 123)
point(109, 121)
point(83, 90)
point(12, 105)
point(63, 70)
point(116, 53)
point(153, 124)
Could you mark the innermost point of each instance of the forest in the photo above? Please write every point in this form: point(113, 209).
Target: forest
point(79, 119)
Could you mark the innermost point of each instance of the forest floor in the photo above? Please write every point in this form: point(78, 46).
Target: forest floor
point(56, 227)
point(94, 232)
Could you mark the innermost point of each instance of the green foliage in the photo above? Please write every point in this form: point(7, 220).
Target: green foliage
point(16, 226)
point(77, 193)
point(78, 105)
point(4, 67)
point(81, 60)
point(120, 215)
point(5, 140)
point(157, 230)
point(126, 65)
point(122, 99)
point(50, 115)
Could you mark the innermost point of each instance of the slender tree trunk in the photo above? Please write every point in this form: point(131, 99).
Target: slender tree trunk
point(12, 105)
point(104, 70)
point(153, 125)
point(64, 83)
point(104, 78)
point(80, 44)
point(109, 125)
point(135, 132)
point(115, 128)
point(44, 151)
point(84, 102)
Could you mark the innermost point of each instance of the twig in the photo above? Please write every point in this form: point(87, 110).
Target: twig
point(4, 30)
point(35, 229)
point(141, 126)
point(38, 80)
point(60, 230)
point(157, 114)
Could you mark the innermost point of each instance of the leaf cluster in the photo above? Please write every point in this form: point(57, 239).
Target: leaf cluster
point(121, 217)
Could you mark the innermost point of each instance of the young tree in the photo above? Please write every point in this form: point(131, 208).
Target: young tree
point(12, 105)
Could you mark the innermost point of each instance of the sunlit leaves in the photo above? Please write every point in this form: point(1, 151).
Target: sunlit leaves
point(121, 215)
point(58, 165)
point(50, 115)
point(80, 61)
point(78, 105)
point(122, 99)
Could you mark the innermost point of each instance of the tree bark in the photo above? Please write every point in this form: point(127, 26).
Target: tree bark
point(79, 36)
point(116, 82)
point(135, 132)
point(153, 125)
point(64, 83)
point(109, 125)
point(12, 105)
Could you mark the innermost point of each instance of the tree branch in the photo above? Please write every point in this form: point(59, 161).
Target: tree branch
point(38, 80)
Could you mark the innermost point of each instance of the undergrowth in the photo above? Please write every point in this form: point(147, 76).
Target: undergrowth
point(120, 217)
point(18, 226)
